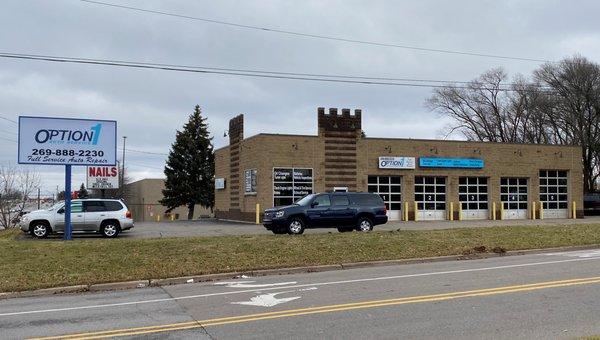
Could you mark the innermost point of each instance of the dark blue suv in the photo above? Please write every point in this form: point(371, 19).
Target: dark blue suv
point(345, 211)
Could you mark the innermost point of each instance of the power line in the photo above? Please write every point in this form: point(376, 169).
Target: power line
point(248, 73)
point(9, 120)
point(8, 139)
point(145, 152)
point(315, 36)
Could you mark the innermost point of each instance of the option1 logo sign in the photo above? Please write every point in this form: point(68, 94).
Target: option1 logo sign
point(67, 141)
point(102, 177)
point(396, 162)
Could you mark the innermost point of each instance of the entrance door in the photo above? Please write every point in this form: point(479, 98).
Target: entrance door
point(473, 197)
point(430, 195)
point(390, 190)
point(513, 194)
point(554, 193)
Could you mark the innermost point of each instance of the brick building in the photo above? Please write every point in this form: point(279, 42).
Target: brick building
point(426, 179)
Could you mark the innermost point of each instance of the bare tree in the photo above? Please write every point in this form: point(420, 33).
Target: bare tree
point(575, 110)
point(561, 105)
point(17, 185)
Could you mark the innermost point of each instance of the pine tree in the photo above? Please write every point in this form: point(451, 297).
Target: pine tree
point(190, 167)
point(83, 193)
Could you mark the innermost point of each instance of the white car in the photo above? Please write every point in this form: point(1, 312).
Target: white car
point(106, 216)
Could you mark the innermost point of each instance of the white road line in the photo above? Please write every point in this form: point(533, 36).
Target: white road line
point(188, 297)
point(249, 284)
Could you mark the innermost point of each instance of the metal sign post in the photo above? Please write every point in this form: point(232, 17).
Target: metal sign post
point(68, 228)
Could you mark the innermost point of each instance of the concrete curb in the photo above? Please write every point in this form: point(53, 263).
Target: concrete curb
point(277, 271)
point(118, 285)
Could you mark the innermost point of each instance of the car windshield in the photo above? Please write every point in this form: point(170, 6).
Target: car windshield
point(305, 200)
point(56, 206)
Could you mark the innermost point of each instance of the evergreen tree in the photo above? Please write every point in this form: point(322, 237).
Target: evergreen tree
point(83, 193)
point(190, 167)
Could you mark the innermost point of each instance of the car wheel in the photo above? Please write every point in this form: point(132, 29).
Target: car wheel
point(344, 229)
point(40, 230)
point(110, 229)
point(295, 226)
point(364, 224)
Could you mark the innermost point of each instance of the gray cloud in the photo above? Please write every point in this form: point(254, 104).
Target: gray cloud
point(151, 105)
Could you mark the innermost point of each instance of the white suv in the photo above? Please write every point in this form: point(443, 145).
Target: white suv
point(108, 217)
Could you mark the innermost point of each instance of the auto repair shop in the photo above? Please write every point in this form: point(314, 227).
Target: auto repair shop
point(417, 179)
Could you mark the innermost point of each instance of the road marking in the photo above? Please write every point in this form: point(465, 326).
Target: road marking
point(188, 297)
point(267, 300)
point(327, 309)
point(248, 284)
point(580, 253)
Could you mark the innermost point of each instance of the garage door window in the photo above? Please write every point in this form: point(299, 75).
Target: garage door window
point(473, 193)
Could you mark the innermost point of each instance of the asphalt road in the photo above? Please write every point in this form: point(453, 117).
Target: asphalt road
point(213, 227)
point(527, 297)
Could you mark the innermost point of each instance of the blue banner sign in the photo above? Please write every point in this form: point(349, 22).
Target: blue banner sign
point(463, 163)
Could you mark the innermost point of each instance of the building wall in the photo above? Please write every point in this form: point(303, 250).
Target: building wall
point(341, 157)
point(144, 196)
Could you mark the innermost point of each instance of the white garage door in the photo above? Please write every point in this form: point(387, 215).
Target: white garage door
point(473, 197)
point(554, 193)
point(390, 190)
point(430, 195)
point(513, 194)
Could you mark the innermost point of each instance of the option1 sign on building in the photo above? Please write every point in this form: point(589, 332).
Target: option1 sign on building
point(396, 162)
point(66, 141)
point(102, 177)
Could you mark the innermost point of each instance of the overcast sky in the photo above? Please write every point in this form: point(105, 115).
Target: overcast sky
point(150, 105)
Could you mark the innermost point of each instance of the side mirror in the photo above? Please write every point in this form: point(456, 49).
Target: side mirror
point(61, 211)
point(314, 204)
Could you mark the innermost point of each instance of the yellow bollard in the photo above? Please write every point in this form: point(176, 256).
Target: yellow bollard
point(257, 213)
point(533, 210)
point(406, 211)
point(493, 211)
point(541, 211)
point(172, 217)
point(416, 211)
point(501, 210)
point(452, 211)
point(460, 212)
point(574, 210)
point(157, 218)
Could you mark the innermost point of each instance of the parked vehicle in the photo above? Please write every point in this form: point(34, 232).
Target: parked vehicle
point(591, 204)
point(345, 211)
point(105, 216)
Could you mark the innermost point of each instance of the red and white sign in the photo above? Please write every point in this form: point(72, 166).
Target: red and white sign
point(102, 177)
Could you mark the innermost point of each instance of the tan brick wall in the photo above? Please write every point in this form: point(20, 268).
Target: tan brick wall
point(266, 151)
point(143, 202)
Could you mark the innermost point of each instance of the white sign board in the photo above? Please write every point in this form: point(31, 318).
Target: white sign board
point(102, 177)
point(396, 162)
point(219, 183)
point(67, 141)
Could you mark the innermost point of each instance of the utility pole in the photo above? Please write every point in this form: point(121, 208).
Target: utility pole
point(123, 166)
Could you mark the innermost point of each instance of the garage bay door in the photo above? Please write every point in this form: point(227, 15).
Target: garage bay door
point(473, 197)
point(390, 190)
point(513, 194)
point(430, 195)
point(554, 193)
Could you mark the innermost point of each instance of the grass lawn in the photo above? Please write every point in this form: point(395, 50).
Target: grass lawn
point(26, 265)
